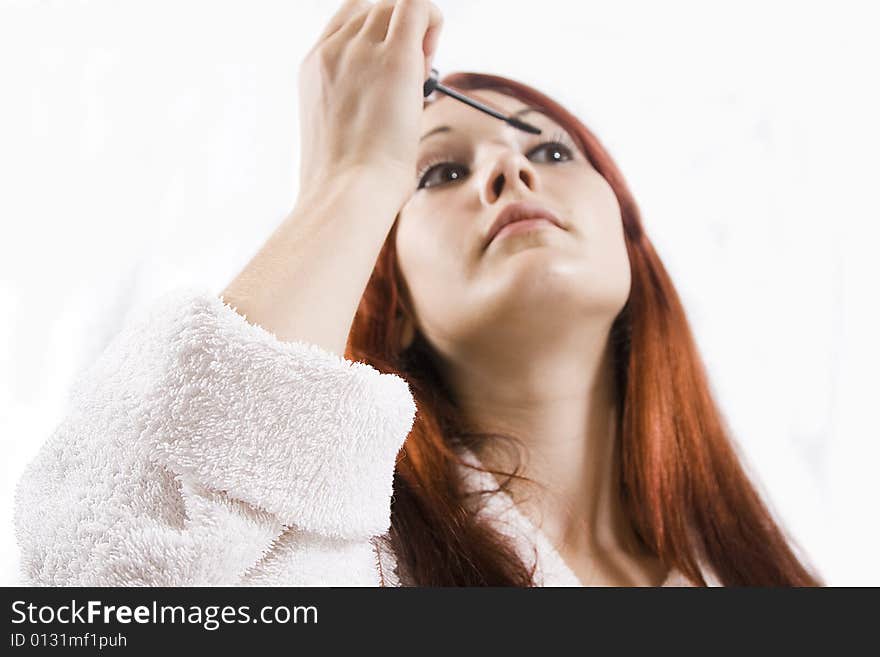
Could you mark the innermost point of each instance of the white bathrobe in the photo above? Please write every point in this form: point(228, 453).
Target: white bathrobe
point(200, 450)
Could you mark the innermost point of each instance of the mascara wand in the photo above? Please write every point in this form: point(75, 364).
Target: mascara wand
point(431, 85)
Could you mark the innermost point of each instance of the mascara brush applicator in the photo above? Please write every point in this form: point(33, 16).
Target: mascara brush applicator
point(432, 85)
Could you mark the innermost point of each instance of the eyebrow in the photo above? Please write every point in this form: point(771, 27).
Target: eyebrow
point(446, 128)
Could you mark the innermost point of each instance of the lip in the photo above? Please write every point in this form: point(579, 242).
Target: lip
point(517, 211)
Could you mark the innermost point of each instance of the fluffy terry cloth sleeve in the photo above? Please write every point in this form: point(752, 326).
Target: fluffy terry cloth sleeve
point(201, 450)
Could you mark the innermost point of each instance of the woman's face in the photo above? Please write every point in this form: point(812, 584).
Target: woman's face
point(525, 286)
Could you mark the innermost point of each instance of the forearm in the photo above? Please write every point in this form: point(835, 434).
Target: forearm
point(306, 281)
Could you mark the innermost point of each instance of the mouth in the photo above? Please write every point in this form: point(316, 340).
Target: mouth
point(521, 216)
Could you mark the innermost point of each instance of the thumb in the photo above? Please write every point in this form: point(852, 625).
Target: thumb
point(429, 46)
point(428, 65)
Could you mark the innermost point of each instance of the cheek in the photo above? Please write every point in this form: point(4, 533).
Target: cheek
point(604, 243)
point(413, 252)
point(420, 256)
point(621, 265)
point(434, 264)
point(432, 245)
point(612, 244)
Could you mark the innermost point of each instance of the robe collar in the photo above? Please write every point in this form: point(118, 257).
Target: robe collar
point(531, 543)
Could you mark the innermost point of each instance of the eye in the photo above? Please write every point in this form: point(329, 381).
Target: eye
point(559, 148)
point(432, 166)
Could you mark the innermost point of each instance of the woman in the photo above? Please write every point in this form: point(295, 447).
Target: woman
point(231, 444)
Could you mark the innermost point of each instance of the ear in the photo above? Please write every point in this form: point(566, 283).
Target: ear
point(407, 332)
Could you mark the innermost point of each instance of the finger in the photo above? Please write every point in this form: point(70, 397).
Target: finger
point(410, 21)
point(348, 9)
point(435, 27)
point(350, 30)
point(432, 39)
point(376, 26)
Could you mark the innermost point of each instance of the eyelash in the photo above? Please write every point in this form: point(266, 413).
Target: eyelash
point(559, 138)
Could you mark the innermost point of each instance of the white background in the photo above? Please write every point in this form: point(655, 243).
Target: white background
point(144, 145)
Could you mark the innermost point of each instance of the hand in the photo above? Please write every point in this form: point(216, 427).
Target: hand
point(360, 90)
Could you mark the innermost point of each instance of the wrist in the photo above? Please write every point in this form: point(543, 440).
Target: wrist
point(373, 186)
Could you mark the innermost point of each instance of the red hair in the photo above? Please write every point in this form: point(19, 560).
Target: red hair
point(682, 483)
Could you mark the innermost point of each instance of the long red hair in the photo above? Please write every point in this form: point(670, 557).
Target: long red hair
point(683, 486)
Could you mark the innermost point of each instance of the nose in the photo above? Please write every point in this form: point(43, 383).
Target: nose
point(511, 169)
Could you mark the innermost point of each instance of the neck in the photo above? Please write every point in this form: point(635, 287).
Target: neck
point(564, 409)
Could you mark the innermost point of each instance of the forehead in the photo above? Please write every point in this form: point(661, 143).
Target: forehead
point(444, 106)
point(446, 111)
